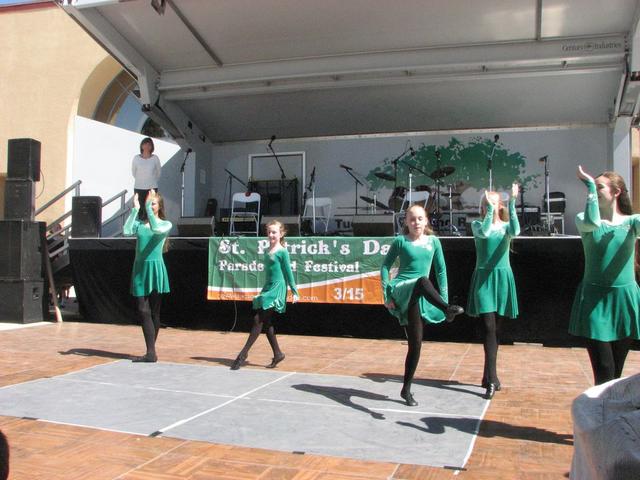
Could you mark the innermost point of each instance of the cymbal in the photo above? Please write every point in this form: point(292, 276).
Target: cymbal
point(442, 172)
point(452, 194)
point(371, 201)
point(385, 176)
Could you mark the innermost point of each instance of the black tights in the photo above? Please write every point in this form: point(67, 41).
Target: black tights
point(607, 358)
point(261, 319)
point(149, 316)
point(490, 330)
point(415, 327)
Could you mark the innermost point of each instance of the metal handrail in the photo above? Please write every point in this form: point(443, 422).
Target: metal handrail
point(75, 186)
point(115, 197)
point(119, 215)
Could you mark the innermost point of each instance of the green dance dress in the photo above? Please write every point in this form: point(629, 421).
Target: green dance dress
point(415, 262)
point(279, 275)
point(149, 271)
point(607, 304)
point(492, 286)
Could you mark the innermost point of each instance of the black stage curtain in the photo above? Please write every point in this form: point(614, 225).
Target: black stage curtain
point(547, 272)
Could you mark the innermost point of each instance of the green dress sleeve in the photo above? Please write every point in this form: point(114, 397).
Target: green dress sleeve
point(285, 262)
point(440, 269)
point(392, 254)
point(159, 227)
point(514, 225)
point(131, 225)
point(589, 220)
point(482, 228)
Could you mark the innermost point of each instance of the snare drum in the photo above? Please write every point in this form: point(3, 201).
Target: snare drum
point(396, 198)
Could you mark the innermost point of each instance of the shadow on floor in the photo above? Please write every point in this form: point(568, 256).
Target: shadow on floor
point(90, 352)
point(435, 383)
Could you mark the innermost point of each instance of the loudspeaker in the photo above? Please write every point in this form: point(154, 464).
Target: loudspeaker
point(86, 217)
point(21, 254)
point(23, 159)
point(196, 226)
point(372, 225)
point(277, 197)
point(531, 215)
point(21, 301)
point(19, 199)
point(210, 209)
point(291, 224)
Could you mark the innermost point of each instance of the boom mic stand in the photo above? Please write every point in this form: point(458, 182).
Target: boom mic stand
point(490, 162)
point(230, 185)
point(358, 182)
point(312, 188)
point(547, 200)
point(184, 162)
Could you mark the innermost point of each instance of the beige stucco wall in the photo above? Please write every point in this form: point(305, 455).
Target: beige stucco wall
point(52, 71)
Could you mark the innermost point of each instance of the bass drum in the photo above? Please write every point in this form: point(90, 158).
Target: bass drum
point(396, 198)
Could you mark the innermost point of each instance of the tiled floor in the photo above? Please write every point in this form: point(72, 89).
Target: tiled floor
point(526, 433)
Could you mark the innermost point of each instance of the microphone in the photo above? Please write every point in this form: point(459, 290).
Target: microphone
point(189, 150)
point(273, 137)
point(496, 138)
point(345, 167)
point(413, 152)
point(543, 159)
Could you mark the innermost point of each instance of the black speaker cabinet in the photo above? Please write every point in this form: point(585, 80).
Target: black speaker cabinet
point(291, 224)
point(21, 253)
point(19, 199)
point(196, 226)
point(372, 225)
point(277, 197)
point(86, 217)
point(21, 301)
point(23, 159)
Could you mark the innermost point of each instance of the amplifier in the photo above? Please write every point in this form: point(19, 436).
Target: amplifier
point(372, 225)
point(196, 226)
point(291, 224)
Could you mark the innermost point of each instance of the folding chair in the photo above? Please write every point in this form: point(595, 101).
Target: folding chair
point(323, 207)
point(245, 208)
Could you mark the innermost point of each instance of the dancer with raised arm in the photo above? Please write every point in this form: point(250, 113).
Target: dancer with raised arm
point(606, 307)
point(273, 296)
point(149, 279)
point(492, 294)
point(410, 296)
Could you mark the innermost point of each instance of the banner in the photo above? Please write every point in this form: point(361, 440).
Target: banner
point(326, 269)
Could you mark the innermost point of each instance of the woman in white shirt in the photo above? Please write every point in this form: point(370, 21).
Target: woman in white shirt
point(146, 172)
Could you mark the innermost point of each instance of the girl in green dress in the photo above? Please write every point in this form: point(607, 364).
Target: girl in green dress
point(273, 296)
point(607, 304)
point(410, 296)
point(149, 279)
point(493, 290)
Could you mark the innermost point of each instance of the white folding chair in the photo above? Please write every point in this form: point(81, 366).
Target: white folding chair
point(245, 208)
point(417, 198)
point(323, 209)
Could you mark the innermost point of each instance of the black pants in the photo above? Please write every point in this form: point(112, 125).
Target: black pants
point(149, 316)
point(607, 358)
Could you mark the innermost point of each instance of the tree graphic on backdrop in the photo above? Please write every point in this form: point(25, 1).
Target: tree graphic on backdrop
point(469, 160)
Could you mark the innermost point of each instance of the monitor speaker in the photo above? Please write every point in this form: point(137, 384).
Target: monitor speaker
point(372, 225)
point(19, 199)
point(86, 217)
point(21, 255)
point(21, 301)
point(291, 224)
point(196, 226)
point(23, 159)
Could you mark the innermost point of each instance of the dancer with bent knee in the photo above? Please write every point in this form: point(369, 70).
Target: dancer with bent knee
point(492, 294)
point(273, 297)
point(410, 296)
point(149, 280)
point(606, 307)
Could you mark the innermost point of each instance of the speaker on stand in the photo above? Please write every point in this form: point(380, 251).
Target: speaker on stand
point(86, 216)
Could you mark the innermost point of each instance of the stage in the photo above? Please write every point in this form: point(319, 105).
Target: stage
point(547, 271)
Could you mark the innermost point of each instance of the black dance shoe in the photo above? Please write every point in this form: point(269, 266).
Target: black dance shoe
point(497, 384)
point(275, 361)
point(237, 363)
point(408, 399)
point(491, 391)
point(145, 359)
point(452, 311)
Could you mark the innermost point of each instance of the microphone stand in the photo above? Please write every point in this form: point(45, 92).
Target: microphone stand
point(412, 167)
point(545, 159)
point(358, 182)
point(230, 185)
point(184, 162)
point(282, 176)
point(395, 167)
point(312, 188)
point(490, 162)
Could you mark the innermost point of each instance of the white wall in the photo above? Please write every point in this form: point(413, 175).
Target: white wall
point(102, 157)
point(565, 147)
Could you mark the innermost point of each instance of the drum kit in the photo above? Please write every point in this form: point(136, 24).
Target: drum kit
point(398, 194)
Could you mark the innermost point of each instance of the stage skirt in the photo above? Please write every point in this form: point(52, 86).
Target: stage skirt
point(400, 292)
point(493, 290)
point(148, 276)
point(606, 313)
point(273, 295)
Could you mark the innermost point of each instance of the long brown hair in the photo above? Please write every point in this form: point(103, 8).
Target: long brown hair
point(427, 227)
point(624, 205)
point(161, 216)
point(283, 230)
point(503, 212)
